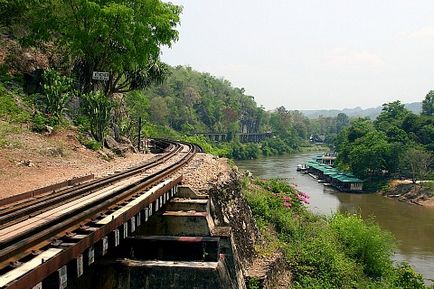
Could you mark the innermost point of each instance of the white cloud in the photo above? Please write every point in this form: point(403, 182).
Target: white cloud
point(353, 58)
point(423, 33)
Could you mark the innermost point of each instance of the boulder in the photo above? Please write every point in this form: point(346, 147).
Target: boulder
point(113, 145)
point(120, 148)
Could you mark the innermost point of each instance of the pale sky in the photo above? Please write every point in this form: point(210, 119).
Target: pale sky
point(311, 54)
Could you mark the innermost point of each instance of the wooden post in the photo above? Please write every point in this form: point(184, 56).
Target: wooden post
point(139, 134)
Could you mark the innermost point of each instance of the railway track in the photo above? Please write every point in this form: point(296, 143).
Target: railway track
point(14, 213)
point(32, 227)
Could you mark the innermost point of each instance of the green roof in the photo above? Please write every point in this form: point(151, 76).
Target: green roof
point(333, 172)
point(348, 179)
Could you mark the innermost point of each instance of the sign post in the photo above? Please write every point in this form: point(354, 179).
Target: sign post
point(100, 75)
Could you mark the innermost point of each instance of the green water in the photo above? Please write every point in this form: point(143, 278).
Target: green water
point(412, 226)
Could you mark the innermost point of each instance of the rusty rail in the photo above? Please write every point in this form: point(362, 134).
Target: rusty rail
point(16, 213)
point(44, 190)
point(41, 237)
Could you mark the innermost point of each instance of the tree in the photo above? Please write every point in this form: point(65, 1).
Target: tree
point(342, 121)
point(359, 128)
point(393, 114)
point(428, 104)
point(11, 13)
point(369, 155)
point(121, 37)
point(159, 111)
point(415, 163)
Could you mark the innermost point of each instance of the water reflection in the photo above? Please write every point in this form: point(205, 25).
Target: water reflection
point(412, 226)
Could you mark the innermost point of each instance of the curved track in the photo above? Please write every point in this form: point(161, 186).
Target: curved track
point(30, 226)
point(17, 212)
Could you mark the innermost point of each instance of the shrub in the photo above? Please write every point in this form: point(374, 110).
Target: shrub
point(39, 121)
point(240, 151)
point(90, 143)
point(274, 146)
point(57, 90)
point(97, 108)
point(9, 109)
point(407, 278)
point(253, 284)
point(5, 77)
point(366, 243)
point(342, 251)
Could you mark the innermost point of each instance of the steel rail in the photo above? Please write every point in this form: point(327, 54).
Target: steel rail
point(28, 209)
point(17, 247)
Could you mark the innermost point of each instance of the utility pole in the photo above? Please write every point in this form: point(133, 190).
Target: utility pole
point(139, 133)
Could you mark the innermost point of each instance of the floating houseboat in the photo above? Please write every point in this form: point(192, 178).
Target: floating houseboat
point(327, 159)
point(330, 175)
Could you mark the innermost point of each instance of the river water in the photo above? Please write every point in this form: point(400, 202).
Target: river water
point(412, 226)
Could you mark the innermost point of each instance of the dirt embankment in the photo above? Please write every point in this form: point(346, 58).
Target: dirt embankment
point(30, 160)
point(421, 193)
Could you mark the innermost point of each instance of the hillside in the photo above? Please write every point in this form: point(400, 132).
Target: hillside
point(372, 113)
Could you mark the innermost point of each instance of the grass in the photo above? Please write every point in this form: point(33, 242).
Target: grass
point(342, 251)
point(7, 129)
point(10, 110)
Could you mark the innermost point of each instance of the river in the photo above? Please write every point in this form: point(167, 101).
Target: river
point(412, 226)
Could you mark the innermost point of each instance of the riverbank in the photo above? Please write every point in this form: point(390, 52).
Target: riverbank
point(421, 193)
point(411, 225)
point(341, 251)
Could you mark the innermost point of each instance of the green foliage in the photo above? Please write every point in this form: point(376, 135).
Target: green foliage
point(97, 107)
point(137, 104)
point(428, 104)
point(199, 102)
point(240, 151)
point(407, 278)
point(415, 163)
point(11, 13)
point(153, 130)
point(221, 150)
point(121, 37)
point(159, 111)
point(317, 258)
point(368, 155)
point(275, 146)
point(342, 251)
point(9, 108)
point(90, 143)
point(366, 243)
point(253, 284)
point(7, 129)
point(5, 77)
point(393, 114)
point(39, 122)
point(397, 143)
point(57, 90)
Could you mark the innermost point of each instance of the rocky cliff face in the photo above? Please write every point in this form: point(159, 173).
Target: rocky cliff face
point(229, 208)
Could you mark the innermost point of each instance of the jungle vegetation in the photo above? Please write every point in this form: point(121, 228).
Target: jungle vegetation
point(398, 143)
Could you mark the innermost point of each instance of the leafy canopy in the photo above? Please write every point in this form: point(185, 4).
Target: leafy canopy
point(428, 104)
point(119, 36)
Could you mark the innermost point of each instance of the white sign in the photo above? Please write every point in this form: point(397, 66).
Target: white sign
point(100, 75)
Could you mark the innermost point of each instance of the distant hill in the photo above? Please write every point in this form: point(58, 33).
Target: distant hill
point(372, 113)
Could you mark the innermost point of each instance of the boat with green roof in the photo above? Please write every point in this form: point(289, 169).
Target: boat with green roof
point(329, 175)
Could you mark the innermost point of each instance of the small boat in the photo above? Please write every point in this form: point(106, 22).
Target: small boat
point(301, 168)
